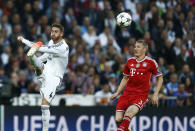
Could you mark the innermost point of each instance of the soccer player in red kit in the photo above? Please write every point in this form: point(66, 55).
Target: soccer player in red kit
point(137, 74)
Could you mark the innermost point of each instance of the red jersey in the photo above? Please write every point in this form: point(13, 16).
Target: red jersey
point(140, 73)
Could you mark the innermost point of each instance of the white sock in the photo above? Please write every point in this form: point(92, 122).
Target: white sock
point(45, 115)
point(36, 62)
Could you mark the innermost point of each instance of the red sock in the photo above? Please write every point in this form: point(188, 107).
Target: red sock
point(125, 124)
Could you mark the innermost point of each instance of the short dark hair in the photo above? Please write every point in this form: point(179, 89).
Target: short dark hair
point(143, 43)
point(57, 25)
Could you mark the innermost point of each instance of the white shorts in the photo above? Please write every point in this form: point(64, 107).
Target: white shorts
point(49, 84)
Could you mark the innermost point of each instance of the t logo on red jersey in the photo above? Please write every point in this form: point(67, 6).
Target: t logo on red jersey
point(132, 71)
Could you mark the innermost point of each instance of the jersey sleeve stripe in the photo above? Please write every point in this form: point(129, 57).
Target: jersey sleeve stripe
point(160, 74)
point(155, 63)
point(57, 45)
point(125, 74)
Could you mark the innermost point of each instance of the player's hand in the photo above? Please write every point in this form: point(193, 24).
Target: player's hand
point(113, 96)
point(154, 99)
point(20, 38)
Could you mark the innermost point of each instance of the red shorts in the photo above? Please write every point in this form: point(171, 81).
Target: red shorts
point(125, 101)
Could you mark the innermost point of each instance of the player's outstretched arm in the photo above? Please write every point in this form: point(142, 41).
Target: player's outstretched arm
point(53, 50)
point(121, 87)
point(48, 49)
point(25, 41)
point(158, 87)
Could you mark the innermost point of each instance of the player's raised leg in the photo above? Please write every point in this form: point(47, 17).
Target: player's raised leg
point(33, 59)
point(129, 114)
point(34, 48)
point(38, 65)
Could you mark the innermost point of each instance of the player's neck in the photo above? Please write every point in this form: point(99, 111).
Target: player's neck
point(57, 41)
point(140, 58)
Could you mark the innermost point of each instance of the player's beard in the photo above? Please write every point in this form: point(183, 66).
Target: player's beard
point(55, 39)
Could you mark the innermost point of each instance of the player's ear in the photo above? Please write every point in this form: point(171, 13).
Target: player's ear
point(146, 50)
point(61, 34)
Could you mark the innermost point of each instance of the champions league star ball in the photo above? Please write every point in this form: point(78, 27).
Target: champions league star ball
point(123, 19)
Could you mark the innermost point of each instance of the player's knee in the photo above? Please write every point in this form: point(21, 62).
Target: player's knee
point(131, 113)
point(45, 102)
point(133, 109)
point(119, 120)
point(39, 71)
point(118, 123)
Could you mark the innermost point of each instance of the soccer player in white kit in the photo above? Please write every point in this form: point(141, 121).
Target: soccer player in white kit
point(49, 74)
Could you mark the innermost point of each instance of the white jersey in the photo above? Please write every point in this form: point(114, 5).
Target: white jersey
point(56, 56)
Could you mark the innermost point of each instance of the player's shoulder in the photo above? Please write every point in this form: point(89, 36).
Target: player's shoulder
point(64, 46)
point(50, 43)
point(61, 44)
point(131, 59)
point(65, 43)
point(151, 60)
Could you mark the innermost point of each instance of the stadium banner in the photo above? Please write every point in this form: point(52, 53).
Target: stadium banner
point(97, 119)
point(71, 99)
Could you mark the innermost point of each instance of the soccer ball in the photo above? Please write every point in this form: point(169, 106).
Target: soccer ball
point(123, 19)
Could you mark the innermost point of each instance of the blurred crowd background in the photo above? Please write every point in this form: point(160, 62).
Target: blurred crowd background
point(99, 49)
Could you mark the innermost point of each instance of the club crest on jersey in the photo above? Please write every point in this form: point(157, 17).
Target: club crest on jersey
point(144, 64)
point(132, 64)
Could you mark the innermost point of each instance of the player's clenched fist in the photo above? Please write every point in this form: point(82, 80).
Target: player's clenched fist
point(20, 38)
point(155, 100)
point(113, 96)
